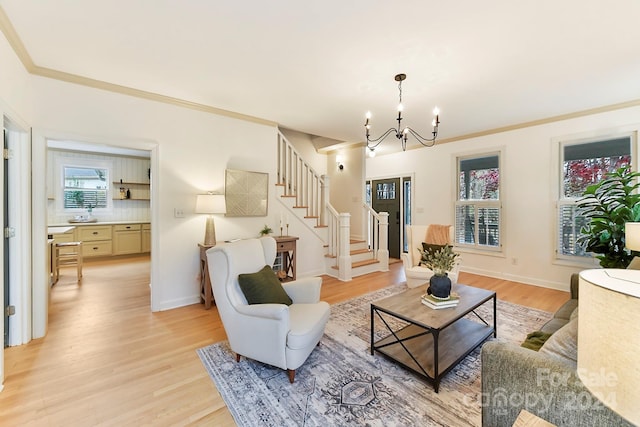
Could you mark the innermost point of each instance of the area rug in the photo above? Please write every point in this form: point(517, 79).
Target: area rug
point(341, 384)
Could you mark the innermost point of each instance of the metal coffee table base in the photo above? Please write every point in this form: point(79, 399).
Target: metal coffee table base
point(429, 351)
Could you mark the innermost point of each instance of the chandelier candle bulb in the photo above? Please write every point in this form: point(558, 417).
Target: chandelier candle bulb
point(401, 133)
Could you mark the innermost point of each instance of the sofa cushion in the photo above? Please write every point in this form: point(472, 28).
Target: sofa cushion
point(565, 311)
point(553, 325)
point(263, 287)
point(563, 344)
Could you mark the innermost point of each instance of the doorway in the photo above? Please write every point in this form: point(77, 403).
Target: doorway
point(385, 197)
point(39, 310)
point(392, 195)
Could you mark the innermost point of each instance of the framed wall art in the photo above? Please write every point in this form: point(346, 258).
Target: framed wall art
point(246, 193)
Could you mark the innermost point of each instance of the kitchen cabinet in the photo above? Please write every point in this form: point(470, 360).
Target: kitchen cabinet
point(104, 239)
point(96, 238)
point(146, 238)
point(127, 239)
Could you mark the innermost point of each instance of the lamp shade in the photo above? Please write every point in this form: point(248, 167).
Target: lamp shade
point(609, 338)
point(632, 236)
point(210, 204)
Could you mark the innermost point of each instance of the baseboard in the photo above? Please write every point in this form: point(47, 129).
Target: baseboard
point(180, 302)
point(534, 281)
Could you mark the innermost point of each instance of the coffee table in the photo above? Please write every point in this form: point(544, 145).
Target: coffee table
point(431, 342)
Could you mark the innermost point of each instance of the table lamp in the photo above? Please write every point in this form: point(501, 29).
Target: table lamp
point(609, 334)
point(210, 204)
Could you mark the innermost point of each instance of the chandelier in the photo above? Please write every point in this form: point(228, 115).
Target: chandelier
point(399, 132)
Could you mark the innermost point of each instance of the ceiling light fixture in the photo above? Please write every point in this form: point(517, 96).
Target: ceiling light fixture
point(399, 132)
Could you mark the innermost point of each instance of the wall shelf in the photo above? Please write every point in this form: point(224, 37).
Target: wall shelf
point(137, 190)
point(131, 183)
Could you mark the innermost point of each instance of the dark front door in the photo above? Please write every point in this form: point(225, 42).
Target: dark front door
point(385, 197)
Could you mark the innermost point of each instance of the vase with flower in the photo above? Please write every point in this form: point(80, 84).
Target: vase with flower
point(440, 260)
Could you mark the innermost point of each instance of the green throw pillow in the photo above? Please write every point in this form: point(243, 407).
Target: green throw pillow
point(263, 287)
point(535, 340)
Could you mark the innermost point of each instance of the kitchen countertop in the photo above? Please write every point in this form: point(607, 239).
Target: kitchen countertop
point(89, 224)
point(59, 229)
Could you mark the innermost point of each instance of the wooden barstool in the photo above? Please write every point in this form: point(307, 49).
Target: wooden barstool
point(69, 253)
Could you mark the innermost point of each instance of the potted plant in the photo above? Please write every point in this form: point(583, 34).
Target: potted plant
point(440, 260)
point(266, 230)
point(606, 207)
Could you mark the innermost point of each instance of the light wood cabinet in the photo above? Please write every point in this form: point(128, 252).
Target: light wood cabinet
point(96, 240)
point(146, 238)
point(92, 233)
point(127, 239)
point(97, 248)
point(109, 240)
point(67, 236)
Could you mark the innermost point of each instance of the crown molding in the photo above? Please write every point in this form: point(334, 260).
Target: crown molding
point(23, 55)
point(15, 42)
point(547, 120)
point(138, 93)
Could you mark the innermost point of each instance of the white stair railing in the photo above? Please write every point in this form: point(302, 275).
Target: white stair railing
point(301, 181)
point(377, 224)
point(311, 191)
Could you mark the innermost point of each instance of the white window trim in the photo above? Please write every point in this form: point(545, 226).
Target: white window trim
point(81, 163)
point(557, 192)
point(475, 248)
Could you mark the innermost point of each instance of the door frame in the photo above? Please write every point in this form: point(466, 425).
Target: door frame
point(411, 175)
point(19, 216)
point(40, 304)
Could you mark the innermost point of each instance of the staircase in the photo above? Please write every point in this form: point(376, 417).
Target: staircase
point(305, 195)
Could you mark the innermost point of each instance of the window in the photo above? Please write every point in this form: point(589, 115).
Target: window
point(583, 164)
point(478, 208)
point(85, 188)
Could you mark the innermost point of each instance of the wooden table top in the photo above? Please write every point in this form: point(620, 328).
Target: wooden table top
point(407, 306)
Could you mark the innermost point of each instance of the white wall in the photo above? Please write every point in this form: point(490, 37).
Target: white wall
point(303, 144)
point(15, 109)
point(194, 150)
point(529, 183)
point(347, 186)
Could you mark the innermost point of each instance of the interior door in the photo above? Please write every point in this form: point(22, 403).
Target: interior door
point(385, 197)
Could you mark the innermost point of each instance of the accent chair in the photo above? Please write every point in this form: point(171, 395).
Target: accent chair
point(415, 273)
point(277, 334)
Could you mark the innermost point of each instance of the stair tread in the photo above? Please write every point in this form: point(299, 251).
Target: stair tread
point(360, 263)
point(360, 251)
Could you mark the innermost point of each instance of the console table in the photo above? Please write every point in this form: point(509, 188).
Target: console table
point(286, 248)
point(206, 293)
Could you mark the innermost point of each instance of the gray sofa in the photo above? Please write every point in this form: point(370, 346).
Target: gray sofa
point(516, 378)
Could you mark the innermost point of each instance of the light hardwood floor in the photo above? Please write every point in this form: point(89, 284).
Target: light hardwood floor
point(108, 360)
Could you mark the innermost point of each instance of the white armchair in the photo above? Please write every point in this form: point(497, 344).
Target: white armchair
point(275, 334)
point(418, 275)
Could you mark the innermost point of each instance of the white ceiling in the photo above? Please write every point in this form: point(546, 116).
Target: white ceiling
point(318, 67)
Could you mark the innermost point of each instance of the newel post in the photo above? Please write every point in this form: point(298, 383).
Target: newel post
point(324, 198)
point(383, 240)
point(344, 247)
